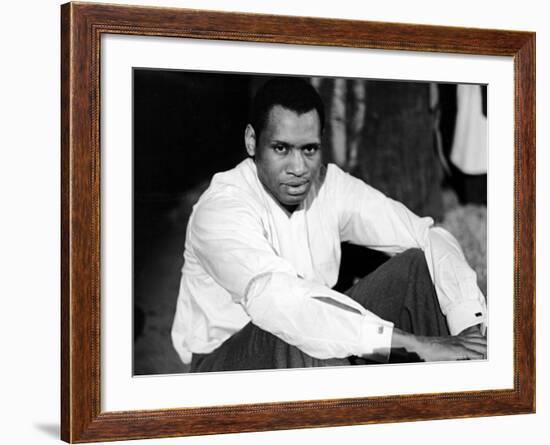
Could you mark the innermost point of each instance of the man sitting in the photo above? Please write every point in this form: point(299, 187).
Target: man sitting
point(262, 254)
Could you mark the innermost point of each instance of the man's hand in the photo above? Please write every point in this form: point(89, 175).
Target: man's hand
point(470, 344)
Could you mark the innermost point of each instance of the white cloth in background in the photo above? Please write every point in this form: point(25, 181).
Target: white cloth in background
point(247, 260)
point(469, 149)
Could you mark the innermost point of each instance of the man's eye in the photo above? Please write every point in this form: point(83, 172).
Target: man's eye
point(311, 149)
point(281, 149)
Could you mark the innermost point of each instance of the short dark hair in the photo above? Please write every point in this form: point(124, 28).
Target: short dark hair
point(292, 93)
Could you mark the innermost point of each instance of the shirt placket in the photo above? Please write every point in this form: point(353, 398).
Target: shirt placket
point(299, 240)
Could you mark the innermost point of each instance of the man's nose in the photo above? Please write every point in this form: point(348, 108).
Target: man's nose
point(297, 164)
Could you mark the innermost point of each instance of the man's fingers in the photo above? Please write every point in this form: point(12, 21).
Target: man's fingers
point(474, 341)
point(471, 354)
point(452, 348)
point(474, 351)
point(477, 348)
point(472, 335)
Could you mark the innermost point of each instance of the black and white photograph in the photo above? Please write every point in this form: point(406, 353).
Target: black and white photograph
point(297, 221)
point(278, 222)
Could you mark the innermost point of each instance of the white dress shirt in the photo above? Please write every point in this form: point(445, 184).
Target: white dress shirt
point(247, 259)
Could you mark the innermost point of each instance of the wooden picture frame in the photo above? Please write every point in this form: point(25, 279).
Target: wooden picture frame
point(82, 25)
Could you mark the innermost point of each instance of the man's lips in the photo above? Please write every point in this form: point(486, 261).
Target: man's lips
point(296, 187)
point(296, 183)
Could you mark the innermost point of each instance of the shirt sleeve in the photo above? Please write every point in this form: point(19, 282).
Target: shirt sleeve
point(368, 217)
point(228, 240)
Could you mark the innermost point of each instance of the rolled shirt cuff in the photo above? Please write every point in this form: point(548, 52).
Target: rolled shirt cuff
point(466, 314)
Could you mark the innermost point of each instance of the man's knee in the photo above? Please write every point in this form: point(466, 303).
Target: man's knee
point(413, 254)
point(411, 261)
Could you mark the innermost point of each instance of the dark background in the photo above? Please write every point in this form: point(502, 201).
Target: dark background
point(190, 125)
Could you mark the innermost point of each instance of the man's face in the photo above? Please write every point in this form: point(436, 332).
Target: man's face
point(287, 154)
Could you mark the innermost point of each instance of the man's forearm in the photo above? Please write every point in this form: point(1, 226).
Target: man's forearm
point(470, 346)
point(460, 298)
point(405, 340)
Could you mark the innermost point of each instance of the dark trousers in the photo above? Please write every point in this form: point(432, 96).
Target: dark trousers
point(400, 291)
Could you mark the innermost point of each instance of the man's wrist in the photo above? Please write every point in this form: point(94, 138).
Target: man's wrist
point(475, 329)
point(403, 340)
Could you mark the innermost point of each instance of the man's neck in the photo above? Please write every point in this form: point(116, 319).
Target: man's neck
point(289, 209)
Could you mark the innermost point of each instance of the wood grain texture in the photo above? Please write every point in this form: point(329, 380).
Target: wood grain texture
point(65, 228)
point(524, 214)
point(81, 416)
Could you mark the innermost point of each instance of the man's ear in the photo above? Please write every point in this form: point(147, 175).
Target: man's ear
point(250, 140)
